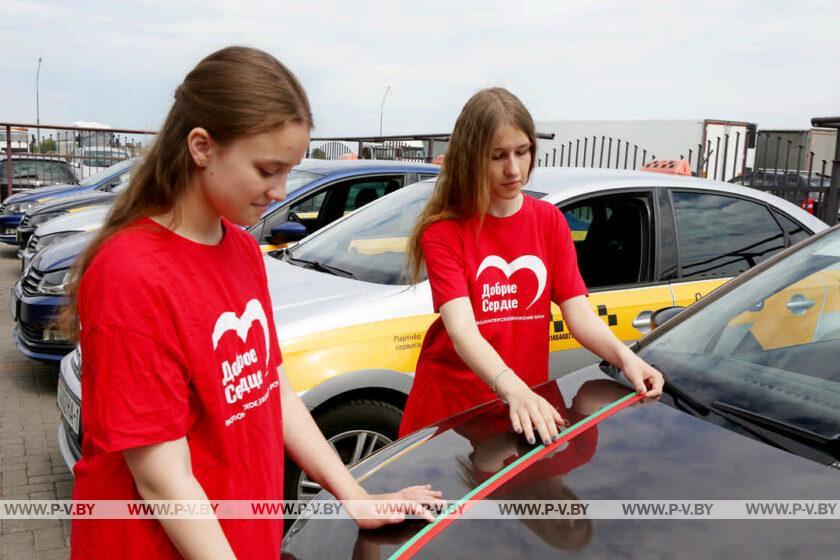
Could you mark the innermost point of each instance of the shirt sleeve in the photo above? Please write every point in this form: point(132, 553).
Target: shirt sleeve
point(566, 279)
point(135, 382)
point(137, 392)
point(444, 264)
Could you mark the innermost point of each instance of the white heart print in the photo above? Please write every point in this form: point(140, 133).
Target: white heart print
point(229, 321)
point(528, 262)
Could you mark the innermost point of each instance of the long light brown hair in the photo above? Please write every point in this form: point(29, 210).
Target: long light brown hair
point(232, 93)
point(463, 186)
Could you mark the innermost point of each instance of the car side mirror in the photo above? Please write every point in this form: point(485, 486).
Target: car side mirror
point(288, 232)
point(663, 315)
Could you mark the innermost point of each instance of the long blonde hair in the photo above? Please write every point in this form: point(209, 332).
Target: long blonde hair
point(463, 186)
point(232, 93)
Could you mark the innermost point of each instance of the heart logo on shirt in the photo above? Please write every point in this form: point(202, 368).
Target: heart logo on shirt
point(229, 321)
point(528, 262)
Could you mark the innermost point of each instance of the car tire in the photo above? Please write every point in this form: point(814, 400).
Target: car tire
point(362, 424)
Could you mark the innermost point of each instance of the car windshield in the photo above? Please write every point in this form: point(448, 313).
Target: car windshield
point(98, 158)
point(769, 346)
point(105, 173)
point(296, 179)
point(42, 170)
point(371, 243)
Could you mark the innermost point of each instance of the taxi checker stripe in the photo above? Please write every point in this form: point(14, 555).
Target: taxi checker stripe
point(424, 536)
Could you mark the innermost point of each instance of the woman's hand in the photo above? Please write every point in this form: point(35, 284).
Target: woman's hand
point(528, 410)
point(642, 375)
point(371, 511)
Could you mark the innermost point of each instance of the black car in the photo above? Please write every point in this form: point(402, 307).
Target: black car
point(30, 171)
point(751, 412)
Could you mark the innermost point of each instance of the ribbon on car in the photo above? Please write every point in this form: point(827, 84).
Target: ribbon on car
point(445, 519)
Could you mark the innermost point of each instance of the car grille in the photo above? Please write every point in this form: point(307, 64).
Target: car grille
point(23, 236)
point(30, 283)
point(34, 335)
point(2, 208)
point(26, 221)
point(32, 245)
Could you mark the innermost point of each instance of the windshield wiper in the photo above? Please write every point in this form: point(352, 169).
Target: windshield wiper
point(772, 424)
point(681, 394)
point(320, 267)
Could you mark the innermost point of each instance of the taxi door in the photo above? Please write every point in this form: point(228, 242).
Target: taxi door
point(616, 241)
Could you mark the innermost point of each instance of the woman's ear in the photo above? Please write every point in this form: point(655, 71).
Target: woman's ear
point(202, 147)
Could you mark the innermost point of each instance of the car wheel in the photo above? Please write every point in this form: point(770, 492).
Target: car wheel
point(355, 429)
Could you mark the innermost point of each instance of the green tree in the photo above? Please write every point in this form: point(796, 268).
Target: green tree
point(318, 153)
point(47, 146)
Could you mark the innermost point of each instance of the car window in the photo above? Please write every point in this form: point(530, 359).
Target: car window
point(723, 235)
point(796, 232)
point(769, 345)
point(114, 169)
point(47, 171)
point(365, 192)
point(309, 207)
point(611, 236)
point(372, 243)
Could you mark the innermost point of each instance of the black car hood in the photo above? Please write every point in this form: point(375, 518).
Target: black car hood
point(649, 451)
point(69, 203)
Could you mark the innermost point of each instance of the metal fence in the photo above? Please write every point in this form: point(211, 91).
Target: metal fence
point(787, 169)
point(87, 149)
point(415, 147)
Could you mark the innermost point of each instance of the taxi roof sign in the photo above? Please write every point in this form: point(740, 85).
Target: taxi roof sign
point(670, 166)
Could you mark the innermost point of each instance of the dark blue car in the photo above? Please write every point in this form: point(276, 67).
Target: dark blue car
point(15, 206)
point(318, 193)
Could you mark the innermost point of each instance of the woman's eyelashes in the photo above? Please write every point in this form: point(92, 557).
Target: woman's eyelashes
point(503, 155)
point(265, 173)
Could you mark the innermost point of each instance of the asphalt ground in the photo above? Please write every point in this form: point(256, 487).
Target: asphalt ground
point(30, 463)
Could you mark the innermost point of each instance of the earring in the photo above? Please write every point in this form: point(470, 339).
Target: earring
point(202, 162)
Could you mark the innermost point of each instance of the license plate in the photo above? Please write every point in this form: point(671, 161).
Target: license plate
point(70, 410)
point(9, 231)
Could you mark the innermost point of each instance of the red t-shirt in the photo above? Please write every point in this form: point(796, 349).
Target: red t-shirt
point(178, 340)
point(511, 269)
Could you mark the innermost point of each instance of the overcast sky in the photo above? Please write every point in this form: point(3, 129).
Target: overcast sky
point(773, 62)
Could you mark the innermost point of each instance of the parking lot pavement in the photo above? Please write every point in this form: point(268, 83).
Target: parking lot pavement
point(30, 464)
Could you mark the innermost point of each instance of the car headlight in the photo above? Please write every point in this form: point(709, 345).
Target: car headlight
point(20, 208)
point(38, 219)
point(53, 283)
point(53, 238)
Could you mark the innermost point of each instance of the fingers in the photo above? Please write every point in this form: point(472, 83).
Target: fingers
point(527, 427)
point(540, 424)
point(514, 421)
point(558, 418)
point(639, 385)
point(657, 383)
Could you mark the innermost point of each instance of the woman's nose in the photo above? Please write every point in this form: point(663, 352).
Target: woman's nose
point(511, 169)
point(278, 190)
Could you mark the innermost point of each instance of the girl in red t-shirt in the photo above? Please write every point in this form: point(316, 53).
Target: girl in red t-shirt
point(496, 259)
point(184, 393)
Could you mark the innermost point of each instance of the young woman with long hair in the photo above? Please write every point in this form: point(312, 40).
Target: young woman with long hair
point(496, 259)
point(184, 393)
